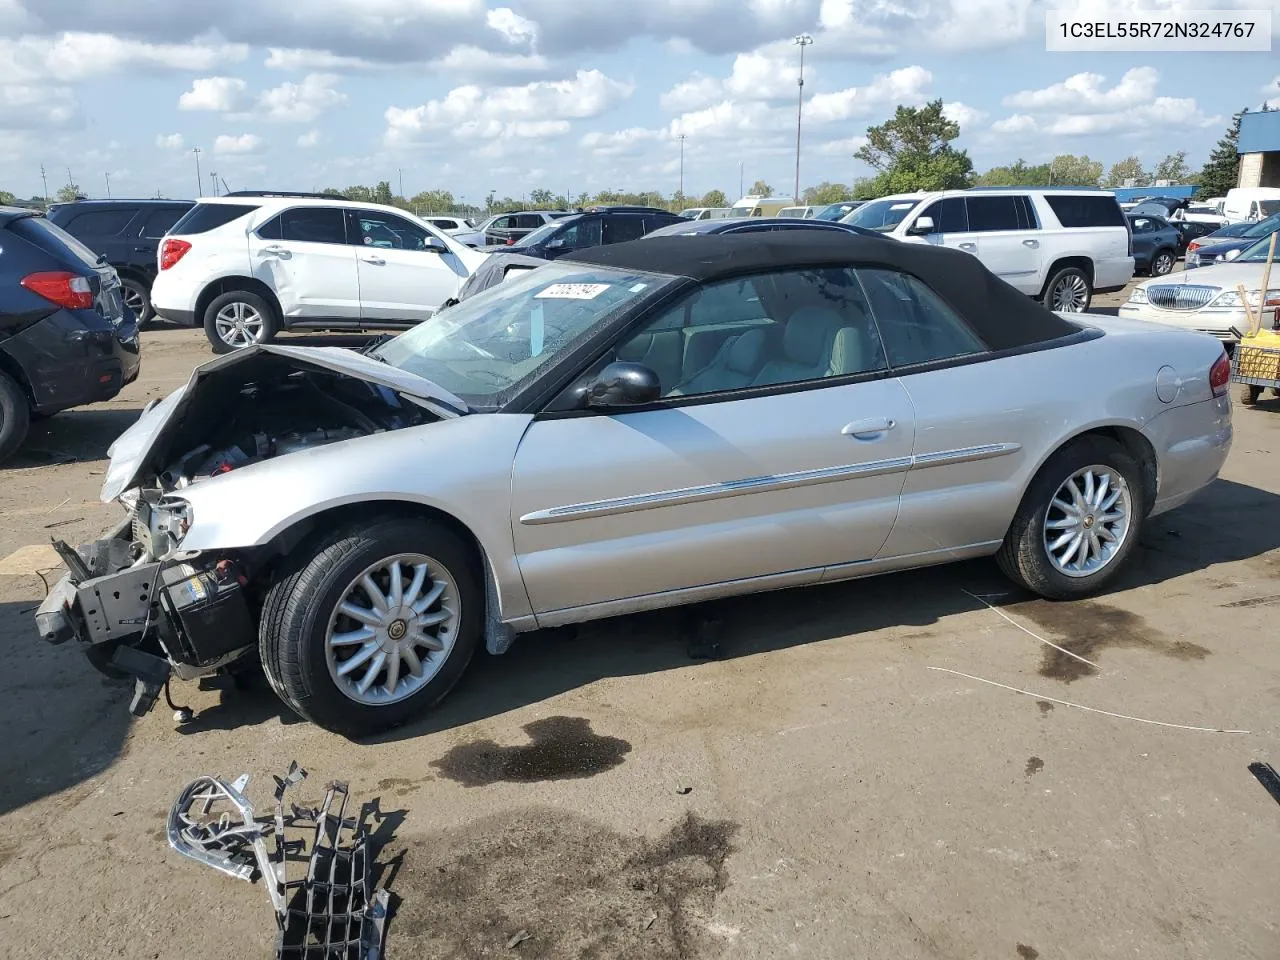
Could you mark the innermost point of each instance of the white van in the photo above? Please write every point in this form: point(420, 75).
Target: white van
point(1251, 204)
point(704, 213)
point(1058, 245)
point(753, 206)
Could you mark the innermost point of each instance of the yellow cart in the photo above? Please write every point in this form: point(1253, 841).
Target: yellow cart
point(1256, 365)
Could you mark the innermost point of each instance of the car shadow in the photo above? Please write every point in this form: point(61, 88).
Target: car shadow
point(63, 721)
point(544, 664)
point(73, 435)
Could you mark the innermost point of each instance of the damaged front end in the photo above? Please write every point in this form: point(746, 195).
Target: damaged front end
point(138, 603)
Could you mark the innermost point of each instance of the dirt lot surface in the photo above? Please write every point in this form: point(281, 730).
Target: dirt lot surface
point(843, 782)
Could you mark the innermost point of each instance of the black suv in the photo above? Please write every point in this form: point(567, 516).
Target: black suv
point(66, 337)
point(127, 233)
point(591, 228)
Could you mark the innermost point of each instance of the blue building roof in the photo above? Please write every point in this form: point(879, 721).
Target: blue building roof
point(1260, 132)
point(1181, 191)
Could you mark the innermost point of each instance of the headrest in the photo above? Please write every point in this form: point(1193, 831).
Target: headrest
point(808, 333)
point(745, 351)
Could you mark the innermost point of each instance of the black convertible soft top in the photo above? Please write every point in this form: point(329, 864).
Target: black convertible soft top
point(1002, 316)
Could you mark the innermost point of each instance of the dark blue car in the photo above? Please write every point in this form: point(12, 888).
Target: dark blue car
point(1216, 249)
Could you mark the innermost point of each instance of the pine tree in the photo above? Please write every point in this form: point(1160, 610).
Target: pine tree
point(1221, 172)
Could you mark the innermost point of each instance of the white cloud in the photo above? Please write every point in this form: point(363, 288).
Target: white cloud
point(220, 94)
point(754, 76)
point(906, 86)
point(470, 61)
point(35, 107)
point(244, 143)
point(963, 114)
point(1087, 93)
point(842, 148)
point(472, 111)
point(301, 102)
point(695, 92)
point(73, 56)
point(309, 139)
point(294, 58)
point(169, 141)
point(1017, 123)
point(621, 142)
point(511, 26)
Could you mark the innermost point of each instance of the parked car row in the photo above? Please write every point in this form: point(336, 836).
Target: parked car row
point(1229, 243)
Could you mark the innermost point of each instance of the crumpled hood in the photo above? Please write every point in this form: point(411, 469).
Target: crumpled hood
point(133, 447)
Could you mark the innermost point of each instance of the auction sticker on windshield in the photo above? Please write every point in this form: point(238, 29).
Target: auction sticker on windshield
point(572, 291)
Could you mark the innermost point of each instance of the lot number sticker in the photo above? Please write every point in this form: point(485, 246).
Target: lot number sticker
point(572, 291)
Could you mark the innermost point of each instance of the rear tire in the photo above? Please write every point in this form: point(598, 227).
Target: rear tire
point(305, 639)
point(15, 417)
point(1044, 518)
point(1068, 291)
point(1162, 263)
point(138, 298)
point(1249, 394)
point(240, 319)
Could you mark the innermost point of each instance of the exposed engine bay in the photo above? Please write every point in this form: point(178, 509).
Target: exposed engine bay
point(139, 604)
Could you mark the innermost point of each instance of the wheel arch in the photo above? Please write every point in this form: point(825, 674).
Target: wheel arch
point(1129, 437)
point(217, 288)
point(14, 371)
point(1082, 262)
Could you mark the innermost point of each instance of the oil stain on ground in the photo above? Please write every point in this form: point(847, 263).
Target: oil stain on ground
point(1034, 766)
point(560, 748)
point(1027, 953)
point(1087, 628)
point(576, 888)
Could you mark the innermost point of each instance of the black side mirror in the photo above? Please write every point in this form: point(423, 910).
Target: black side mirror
point(623, 384)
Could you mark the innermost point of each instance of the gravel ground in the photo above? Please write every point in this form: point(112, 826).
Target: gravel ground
point(842, 782)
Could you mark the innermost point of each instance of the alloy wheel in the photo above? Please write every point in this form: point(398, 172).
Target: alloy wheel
point(239, 325)
point(1070, 294)
point(1088, 521)
point(393, 629)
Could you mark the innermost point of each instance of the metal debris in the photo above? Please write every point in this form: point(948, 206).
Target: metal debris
point(332, 911)
point(518, 939)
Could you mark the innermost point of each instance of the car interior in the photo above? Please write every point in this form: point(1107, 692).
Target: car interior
point(791, 327)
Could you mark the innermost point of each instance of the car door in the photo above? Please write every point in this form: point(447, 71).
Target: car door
point(502, 229)
point(1144, 237)
point(1008, 244)
point(579, 235)
point(950, 226)
point(782, 455)
point(405, 272)
point(977, 418)
point(302, 254)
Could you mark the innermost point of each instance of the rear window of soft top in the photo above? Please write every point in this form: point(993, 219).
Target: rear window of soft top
point(204, 217)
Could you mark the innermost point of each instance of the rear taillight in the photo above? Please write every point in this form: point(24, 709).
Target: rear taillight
point(1193, 245)
point(1220, 375)
point(172, 251)
point(58, 286)
point(511, 241)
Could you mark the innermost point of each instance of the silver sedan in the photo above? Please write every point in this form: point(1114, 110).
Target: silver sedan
point(649, 424)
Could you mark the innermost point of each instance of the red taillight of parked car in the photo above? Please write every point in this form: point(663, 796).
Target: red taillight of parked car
point(172, 251)
point(58, 286)
point(511, 242)
point(1220, 375)
point(1193, 245)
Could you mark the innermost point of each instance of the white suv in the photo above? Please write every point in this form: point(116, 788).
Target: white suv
point(1060, 246)
point(245, 266)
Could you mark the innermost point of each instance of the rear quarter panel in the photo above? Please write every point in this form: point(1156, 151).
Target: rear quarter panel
point(1039, 401)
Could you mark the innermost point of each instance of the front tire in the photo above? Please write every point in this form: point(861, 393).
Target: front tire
point(1078, 521)
point(1068, 291)
point(239, 319)
point(137, 298)
point(15, 417)
point(372, 625)
point(1162, 263)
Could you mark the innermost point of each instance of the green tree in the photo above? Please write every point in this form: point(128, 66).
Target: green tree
point(69, 193)
point(7, 199)
point(1172, 168)
point(824, 193)
point(382, 192)
point(1130, 168)
point(714, 198)
point(866, 188)
point(541, 197)
point(913, 151)
point(432, 201)
point(1068, 170)
point(1222, 170)
point(1017, 174)
point(760, 189)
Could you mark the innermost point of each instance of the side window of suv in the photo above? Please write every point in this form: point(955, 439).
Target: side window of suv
point(583, 233)
point(621, 227)
point(100, 223)
point(917, 325)
point(1082, 210)
point(313, 225)
point(159, 221)
point(529, 221)
point(993, 213)
point(373, 228)
point(948, 215)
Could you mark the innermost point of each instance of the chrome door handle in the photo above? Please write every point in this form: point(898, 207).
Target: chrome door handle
point(1031, 243)
point(968, 246)
point(868, 429)
point(376, 260)
point(280, 252)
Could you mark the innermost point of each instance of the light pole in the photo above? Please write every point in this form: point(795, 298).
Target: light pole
point(680, 192)
point(108, 178)
point(199, 181)
point(802, 41)
point(740, 180)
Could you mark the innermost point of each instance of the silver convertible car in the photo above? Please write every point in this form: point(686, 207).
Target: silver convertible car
point(644, 424)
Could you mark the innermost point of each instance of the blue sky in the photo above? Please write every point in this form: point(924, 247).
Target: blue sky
point(577, 95)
